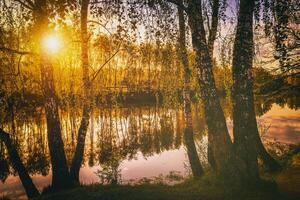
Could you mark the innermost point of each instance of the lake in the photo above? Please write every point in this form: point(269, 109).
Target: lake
point(132, 143)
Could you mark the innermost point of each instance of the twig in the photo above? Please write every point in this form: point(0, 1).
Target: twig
point(30, 7)
point(98, 23)
point(5, 49)
point(107, 61)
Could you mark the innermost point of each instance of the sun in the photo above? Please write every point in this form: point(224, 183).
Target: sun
point(52, 43)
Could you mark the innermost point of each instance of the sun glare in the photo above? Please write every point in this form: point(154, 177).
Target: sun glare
point(51, 43)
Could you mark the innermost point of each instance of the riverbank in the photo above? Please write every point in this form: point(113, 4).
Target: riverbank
point(182, 187)
point(206, 188)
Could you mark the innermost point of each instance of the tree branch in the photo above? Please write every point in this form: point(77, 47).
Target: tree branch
point(5, 49)
point(30, 6)
point(177, 3)
point(98, 23)
point(96, 2)
point(31, 3)
point(107, 61)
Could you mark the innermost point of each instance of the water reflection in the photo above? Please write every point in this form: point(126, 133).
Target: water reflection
point(129, 142)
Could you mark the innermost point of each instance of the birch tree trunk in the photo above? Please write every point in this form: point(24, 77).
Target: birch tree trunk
point(244, 121)
point(214, 26)
point(211, 40)
point(247, 141)
point(196, 167)
point(18, 166)
point(227, 163)
point(60, 173)
point(78, 156)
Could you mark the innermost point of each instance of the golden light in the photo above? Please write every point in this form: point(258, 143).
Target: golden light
point(52, 43)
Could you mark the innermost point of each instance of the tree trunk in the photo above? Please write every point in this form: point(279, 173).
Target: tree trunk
point(269, 162)
point(92, 133)
point(211, 40)
point(60, 173)
point(214, 26)
point(210, 156)
point(227, 163)
point(14, 157)
point(247, 142)
point(244, 121)
point(280, 33)
point(78, 156)
point(197, 169)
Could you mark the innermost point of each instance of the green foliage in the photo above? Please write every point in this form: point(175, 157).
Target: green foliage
point(110, 172)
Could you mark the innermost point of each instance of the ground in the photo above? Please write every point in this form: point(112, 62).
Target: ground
point(288, 183)
point(287, 187)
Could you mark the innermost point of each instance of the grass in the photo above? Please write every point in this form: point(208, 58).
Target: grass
point(4, 198)
point(289, 182)
point(207, 188)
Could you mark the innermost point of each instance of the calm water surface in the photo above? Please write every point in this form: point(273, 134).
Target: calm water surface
point(135, 143)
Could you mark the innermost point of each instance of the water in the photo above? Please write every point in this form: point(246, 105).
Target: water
point(134, 143)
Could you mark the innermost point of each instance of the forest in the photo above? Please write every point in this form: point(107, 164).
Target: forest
point(150, 99)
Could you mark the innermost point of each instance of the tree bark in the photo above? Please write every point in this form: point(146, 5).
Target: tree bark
point(214, 26)
point(17, 164)
point(280, 33)
point(244, 121)
point(60, 173)
point(78, 156)
point(227, 163)
point(247, 142)
point(211, 40)
point(269, 162)
point(196, 167)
